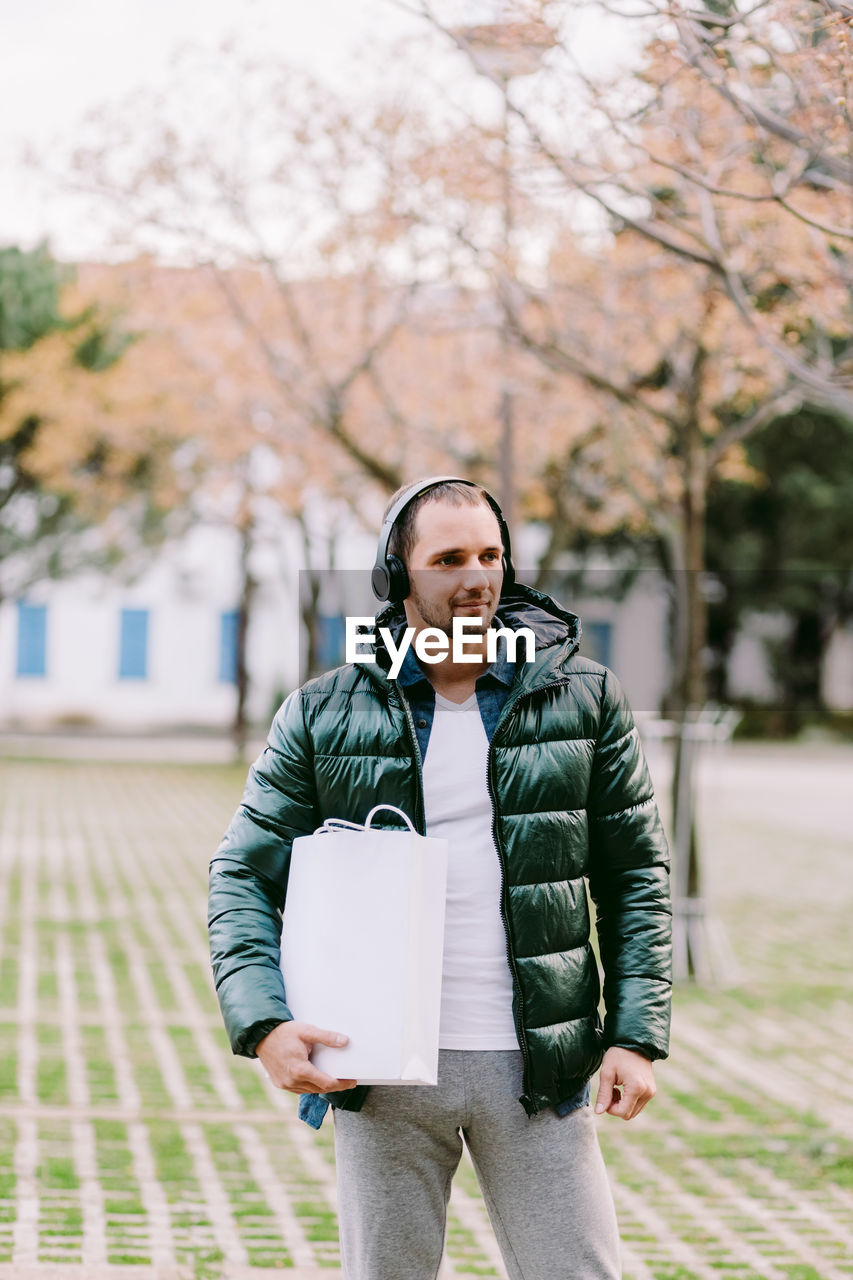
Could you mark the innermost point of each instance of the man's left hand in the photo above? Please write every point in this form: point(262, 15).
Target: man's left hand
point(627, 1083)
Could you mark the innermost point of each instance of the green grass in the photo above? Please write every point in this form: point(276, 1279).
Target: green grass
point(119, 964)
point(249, 1207)
point(48, 995)
point(57, 1221)
point(8, 1061)
point(100, 1072)
point(163, 989)
point(57, 1173)
point(157, 827)
point(268, 1259)
point(696, 1104)
point(202, 986)
point(316, 1219)
point(129, 1205)
point(60, 1226)
point(51, 1082)
point(9, 970)
point(173, 1162)
point(146, 1071)
point(463, 1249)
point(84, 976)
point(197, 1075)
point(247, 1080)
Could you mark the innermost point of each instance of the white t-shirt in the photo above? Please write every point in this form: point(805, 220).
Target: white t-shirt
point(476, 994)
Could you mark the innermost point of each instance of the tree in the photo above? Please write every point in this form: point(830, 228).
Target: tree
point(274, 182)
point(81, 439)
point(737, 118)
point(243, 450)
point(728, 146)
point(786, 543)
point(276, 205)
point(701, 182)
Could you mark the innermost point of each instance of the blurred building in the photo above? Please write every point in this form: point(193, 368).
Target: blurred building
point(750, 672)
point(155, 653)
point(159, 653)
point(838, 669)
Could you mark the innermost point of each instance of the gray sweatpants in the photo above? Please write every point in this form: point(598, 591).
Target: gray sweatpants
point(543, 1178)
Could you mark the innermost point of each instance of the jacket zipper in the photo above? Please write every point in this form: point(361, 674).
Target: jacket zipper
point(420, 816)
point(420, 822)
point(508, 710)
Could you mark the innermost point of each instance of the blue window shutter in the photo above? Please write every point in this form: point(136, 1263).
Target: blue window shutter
point(331, 640)
point(228, 646)
point(133, 645)
point(32, 639)
point(598, 641)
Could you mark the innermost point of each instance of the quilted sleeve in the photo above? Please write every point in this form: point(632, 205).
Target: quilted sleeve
point(248, 881)
point(629, 884)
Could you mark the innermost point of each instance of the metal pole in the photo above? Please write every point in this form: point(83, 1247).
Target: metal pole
point(506, 468)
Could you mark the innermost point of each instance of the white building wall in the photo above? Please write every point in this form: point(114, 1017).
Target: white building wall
point(182, 684)
point(749, 673)
point(639, 654)
point(837, 687)
point(639, 646)
point(187, 589)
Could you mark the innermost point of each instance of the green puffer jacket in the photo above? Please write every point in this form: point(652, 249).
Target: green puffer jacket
point(572, 799)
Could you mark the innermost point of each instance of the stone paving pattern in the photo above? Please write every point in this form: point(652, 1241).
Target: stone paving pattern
point(132, 1142)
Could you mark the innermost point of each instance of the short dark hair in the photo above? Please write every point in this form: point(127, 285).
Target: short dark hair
point(402, 540)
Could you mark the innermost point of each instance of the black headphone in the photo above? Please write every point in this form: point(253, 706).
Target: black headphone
point(389, 578)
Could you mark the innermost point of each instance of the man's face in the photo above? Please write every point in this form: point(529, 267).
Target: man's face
point(455, 566)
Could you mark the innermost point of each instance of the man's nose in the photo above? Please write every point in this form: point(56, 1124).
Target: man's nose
point(475, 577)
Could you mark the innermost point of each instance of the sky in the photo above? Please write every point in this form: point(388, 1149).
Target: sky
point(59, 58)
point(62, 58)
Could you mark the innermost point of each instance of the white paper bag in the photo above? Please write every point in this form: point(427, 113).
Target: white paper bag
point(362, 944)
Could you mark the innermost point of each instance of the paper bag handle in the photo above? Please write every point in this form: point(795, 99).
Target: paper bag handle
point(332, 824)
point(394, 809)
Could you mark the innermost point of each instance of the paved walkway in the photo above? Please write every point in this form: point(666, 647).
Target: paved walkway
point(132, 1143)
point(153, 748)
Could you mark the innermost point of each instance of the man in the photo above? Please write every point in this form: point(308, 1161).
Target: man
point(534, 773)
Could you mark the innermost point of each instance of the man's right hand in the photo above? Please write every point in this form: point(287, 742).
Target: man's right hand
point(284, 1054)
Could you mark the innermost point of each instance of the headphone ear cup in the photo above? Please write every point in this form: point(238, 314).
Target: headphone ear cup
point(380, 581)
point(398, 579)
point(509, 572)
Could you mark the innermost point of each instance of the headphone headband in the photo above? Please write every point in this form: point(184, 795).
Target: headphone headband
point(389, 578)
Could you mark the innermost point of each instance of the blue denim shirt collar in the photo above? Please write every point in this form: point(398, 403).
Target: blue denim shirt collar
point(411, 672)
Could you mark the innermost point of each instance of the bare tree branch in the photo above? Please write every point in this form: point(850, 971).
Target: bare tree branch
point(755, 112)
point(789, 402)
point(328, 417)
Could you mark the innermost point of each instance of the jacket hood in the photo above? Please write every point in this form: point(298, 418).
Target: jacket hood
point(557, 630)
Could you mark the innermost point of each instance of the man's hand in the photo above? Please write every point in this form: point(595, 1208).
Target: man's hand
point(284, 1054)
point(632, 1074)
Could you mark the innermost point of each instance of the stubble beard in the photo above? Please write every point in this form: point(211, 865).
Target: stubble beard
point(442, 618)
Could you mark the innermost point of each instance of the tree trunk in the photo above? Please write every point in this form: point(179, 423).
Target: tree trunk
point(689, 959)
point(248, 587)
point(309, 582)
point(309, 596)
